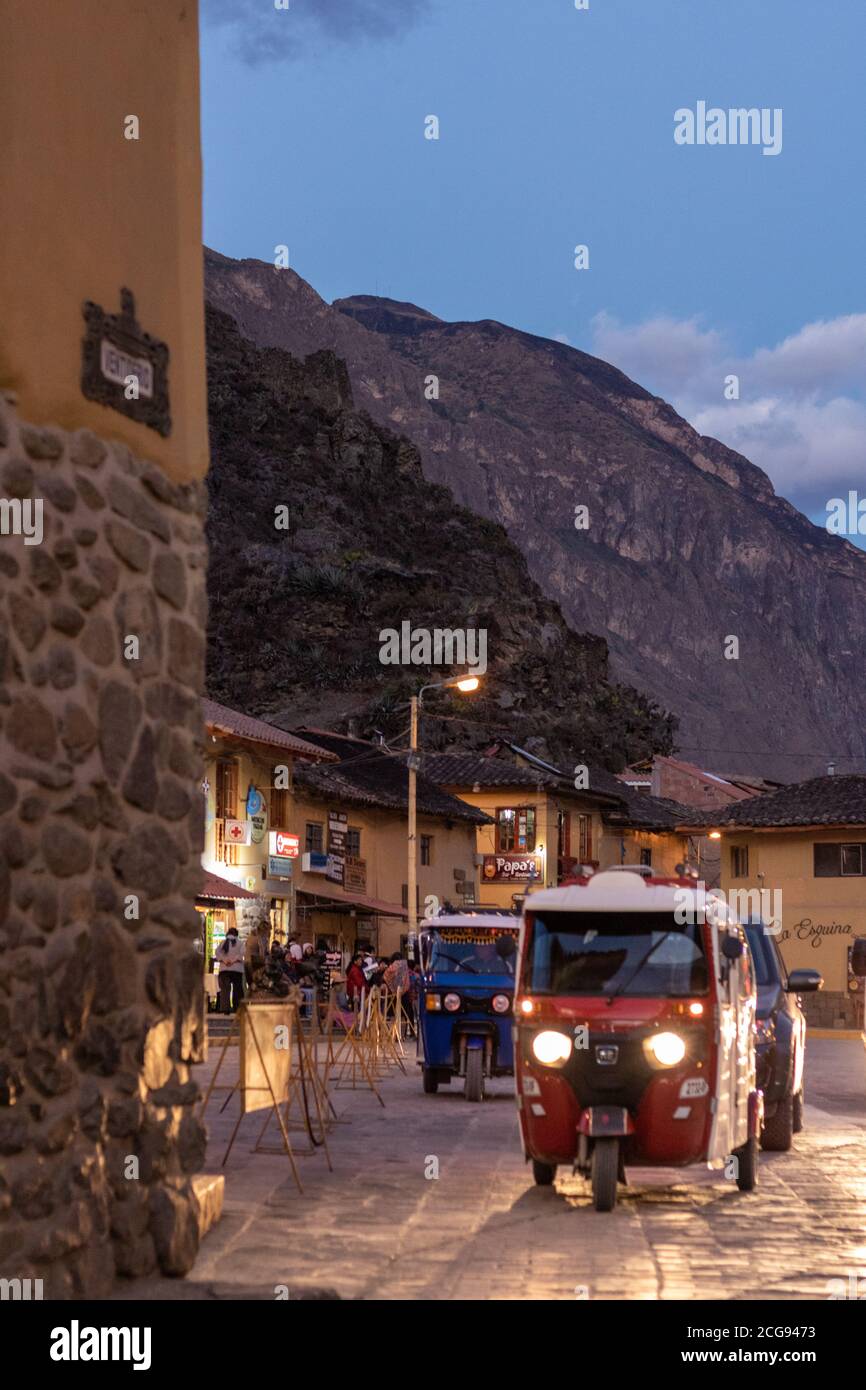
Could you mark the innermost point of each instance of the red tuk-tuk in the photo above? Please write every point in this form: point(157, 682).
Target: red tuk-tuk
point(634, 1012)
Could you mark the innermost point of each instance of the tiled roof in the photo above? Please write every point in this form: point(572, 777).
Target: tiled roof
point(837, 800)
point(626, 808)
point(223, 720)
point(471, 769)
point(369, 776)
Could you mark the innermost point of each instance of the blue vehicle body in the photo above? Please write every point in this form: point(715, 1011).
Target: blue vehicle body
point(469, 1036)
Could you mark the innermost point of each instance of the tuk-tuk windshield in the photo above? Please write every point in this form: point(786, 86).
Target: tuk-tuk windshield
point(468, 952)
point(628, 953)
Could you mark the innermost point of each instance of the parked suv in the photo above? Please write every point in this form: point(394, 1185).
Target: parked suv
point(781, 1037)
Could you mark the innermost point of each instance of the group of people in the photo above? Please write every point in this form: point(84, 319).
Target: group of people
point(297, 964)
point(301, 964)
point(390, 974)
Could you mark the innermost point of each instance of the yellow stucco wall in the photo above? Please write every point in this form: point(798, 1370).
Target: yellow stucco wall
point(383, 847)
point(785, 858)
point(667, 849)
point(86, 211)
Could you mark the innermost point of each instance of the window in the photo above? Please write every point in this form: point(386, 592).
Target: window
point(353, 842)
point(632, 953)
point(226, 790)
point(584, 839)
point(226, 808)
point(314, 839)
point(280, 811)
point(405, 896)
point(839, 860)
point(515, 829)
point(426, 849)
point(739, 861)
point(646, 856)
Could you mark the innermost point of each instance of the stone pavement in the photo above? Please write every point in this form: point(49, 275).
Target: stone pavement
point(378, 1229)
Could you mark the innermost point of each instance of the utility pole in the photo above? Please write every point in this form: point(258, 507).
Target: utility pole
point(412, 866)
point(465, 684)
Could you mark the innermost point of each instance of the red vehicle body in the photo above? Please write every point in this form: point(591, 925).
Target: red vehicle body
point(635, 1032)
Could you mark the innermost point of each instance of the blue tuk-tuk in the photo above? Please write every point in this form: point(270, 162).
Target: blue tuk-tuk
point(465, 1007)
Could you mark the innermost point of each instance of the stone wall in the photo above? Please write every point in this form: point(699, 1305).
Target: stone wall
point(100, 838)
point(833, 1008)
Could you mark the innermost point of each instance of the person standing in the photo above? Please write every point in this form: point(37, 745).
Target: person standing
point(397, 974)
point(356, 980)
point(230, 957)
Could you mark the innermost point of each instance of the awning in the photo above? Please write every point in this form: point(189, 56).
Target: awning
point(376, 905)
point(221, 890)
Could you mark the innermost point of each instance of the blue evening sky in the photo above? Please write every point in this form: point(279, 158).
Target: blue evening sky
point(556, 128)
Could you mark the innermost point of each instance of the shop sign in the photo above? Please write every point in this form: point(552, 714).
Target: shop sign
point(257, 814)
point(315, 862)
point(355, 874)
point(815, 932)
point(337, 827)
point(280, 842)
point(511, 868)
point(237, 832)
point(280, 866)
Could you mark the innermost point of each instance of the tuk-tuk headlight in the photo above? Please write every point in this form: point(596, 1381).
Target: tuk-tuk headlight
point(452, 1002)
point(433, 1003)
point(550, 1048)
point(665, 1049)
point(501, 1003)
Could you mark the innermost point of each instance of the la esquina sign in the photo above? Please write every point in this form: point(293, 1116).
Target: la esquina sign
point(814, 932)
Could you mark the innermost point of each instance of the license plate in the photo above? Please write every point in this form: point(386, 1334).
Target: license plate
point(608, 1119)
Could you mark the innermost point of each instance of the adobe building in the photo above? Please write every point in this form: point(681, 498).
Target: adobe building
point(248, 791)
point(103, 445)
point(359, 807)
point(541, 828)
point(807, 843)
point(673, 779)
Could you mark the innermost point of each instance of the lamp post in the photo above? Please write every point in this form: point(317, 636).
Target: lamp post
point(465, 684)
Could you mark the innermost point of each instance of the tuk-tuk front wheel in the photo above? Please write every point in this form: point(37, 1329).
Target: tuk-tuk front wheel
point(747, 1166)
point(474, 1089)
point(431, 1081)
point(604, 1173)
point(543, 1173)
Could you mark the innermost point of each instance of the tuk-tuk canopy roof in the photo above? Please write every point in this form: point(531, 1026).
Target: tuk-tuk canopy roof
point(614, 890)
point(467, 920)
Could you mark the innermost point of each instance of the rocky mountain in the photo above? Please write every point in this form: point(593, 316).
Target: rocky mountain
point(687, 544)
point(323, 532)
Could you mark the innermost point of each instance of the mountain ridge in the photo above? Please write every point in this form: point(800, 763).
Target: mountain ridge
point(688, 542)
point(297, 612)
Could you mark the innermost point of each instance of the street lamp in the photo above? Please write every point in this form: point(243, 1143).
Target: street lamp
point(466, 685)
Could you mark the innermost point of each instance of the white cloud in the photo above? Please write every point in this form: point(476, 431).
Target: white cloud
point(801, 412)
point(262, 33)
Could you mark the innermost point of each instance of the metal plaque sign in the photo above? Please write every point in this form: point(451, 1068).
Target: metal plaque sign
point(123, 367)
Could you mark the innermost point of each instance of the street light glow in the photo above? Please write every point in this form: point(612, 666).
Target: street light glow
point(468, 684)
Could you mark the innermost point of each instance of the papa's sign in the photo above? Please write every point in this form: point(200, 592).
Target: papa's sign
point(511, 868)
